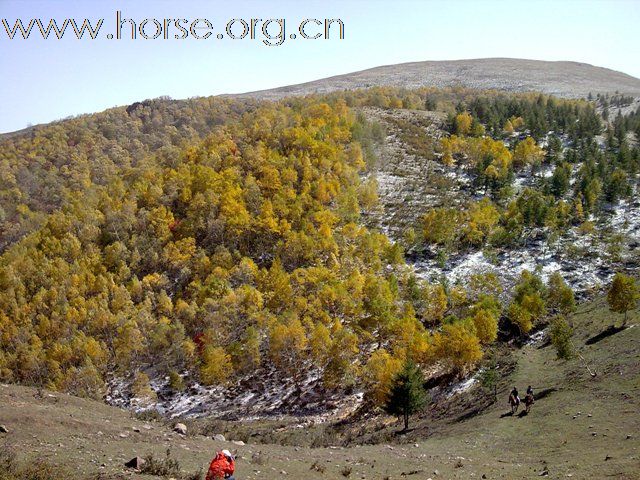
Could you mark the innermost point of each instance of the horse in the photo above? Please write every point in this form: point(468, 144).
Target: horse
point(514, 401)
point(528, 401)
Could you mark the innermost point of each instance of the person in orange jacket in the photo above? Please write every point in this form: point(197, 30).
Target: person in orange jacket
point(222, 466)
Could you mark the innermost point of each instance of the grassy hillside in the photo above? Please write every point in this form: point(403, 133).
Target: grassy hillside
point(586, 427)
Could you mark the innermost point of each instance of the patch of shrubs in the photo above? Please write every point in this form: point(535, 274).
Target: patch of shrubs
point(11, 469)
point(166, 467)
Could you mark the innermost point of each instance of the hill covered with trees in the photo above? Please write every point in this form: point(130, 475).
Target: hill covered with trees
point(222, 241)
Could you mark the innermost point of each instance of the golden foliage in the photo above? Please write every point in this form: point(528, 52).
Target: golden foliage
point(380, 371)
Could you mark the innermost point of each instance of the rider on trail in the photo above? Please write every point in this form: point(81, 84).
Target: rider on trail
point(222, 466)
point(528, 399)
point(514, 399)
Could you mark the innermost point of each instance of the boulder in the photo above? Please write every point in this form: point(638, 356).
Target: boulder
point(240, 443)
point(136, 463)
point(3, 429)
point(219, 438)
point(180, 428)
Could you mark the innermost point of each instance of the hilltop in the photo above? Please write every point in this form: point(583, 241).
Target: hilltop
point(562, 79)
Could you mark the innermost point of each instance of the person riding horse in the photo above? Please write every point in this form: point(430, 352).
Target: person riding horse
point(528, 399)
point(514, 400)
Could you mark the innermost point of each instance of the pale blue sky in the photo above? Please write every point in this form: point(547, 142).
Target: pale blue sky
point(43, 80)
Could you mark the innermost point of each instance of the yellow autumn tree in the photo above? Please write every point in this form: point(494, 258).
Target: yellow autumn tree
point(462, 123)
point(527, 153)
point(482, 218)
point(457, 346)
point(380, 370)
point(287, 344)
point(216, 367)
point(433, 303)
point(486, 326)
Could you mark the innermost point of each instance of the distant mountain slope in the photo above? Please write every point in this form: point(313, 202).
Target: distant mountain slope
point(564, 79)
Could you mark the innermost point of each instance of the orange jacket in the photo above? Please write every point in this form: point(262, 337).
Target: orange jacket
point(221, 467)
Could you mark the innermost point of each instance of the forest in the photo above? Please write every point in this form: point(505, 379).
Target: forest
point(207, 240)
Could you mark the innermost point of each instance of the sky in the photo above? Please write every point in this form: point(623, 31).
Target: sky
point(45, 80)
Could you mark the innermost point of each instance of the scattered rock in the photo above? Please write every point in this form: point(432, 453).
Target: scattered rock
point(218, 437)
point(4, 429)
point(628, 437)
point(136, 463)
point(544, 473)
point(180, 428)
point(259, 459)
point(240, 443)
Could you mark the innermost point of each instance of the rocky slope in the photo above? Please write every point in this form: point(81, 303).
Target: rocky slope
point(410, 182)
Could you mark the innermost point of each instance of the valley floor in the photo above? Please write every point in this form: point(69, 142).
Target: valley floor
point(587, 428)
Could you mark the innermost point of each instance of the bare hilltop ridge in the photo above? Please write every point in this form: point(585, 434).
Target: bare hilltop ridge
point(563, 79)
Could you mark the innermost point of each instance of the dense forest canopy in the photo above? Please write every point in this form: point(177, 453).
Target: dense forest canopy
point(40, 167)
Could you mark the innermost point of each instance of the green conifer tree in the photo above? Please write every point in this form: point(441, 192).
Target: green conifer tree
point(407, 394)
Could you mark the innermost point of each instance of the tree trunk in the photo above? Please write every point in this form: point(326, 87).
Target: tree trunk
point(406, 421)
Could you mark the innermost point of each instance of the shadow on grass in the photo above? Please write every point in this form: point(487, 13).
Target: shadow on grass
point(399, 433)
point(506, 414)
point(612, 330)
point(545, 393)
point(473, 412)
